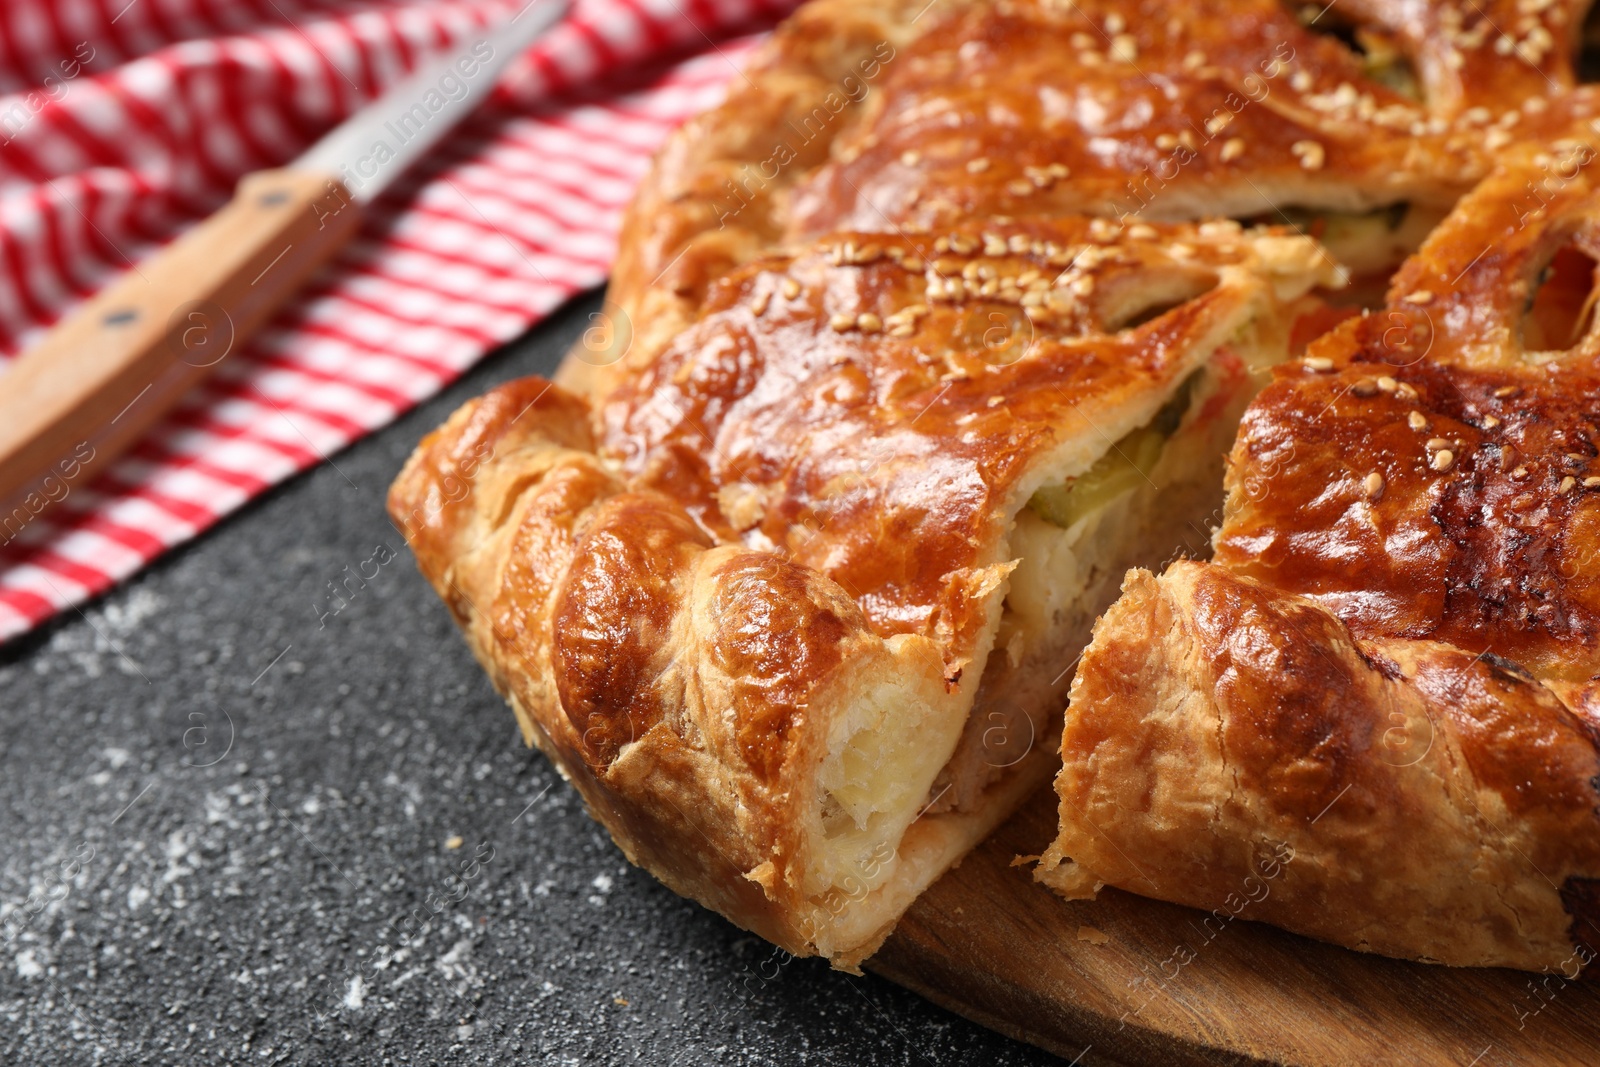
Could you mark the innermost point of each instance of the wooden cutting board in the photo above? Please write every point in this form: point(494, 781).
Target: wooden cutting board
point(1101, 981)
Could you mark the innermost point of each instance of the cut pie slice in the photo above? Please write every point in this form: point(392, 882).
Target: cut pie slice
point(1374, 718)
point(790, 605)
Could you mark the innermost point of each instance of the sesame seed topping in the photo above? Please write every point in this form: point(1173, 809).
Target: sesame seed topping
point(1490, 422)
point(841, 323)
point(1388, 384)
point(1591, 483)
point(1373, 486)
point(1416, 421)
point(791, 288)
point(1421, 296)
point(1505, 391)
point(1319, 364)
point(910, 157)
point(1567, 484)
point(1439, 442)
point(1232, 149)
point(1124, 49)
point(1365, 387)
point(867, 322)
point(1115, 23)
point(977, 166)
point(1019, 187)
point(1310, 154)
point(759, 305)
point(1443, 460)
point(1520, 473)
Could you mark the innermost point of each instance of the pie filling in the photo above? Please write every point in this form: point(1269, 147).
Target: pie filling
point(899, 758)
point(1367, 242)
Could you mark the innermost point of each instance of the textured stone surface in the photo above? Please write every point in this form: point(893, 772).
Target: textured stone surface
point(226, 810)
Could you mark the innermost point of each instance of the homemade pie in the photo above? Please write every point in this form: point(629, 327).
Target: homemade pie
point(1391, 670)
point(943, 321)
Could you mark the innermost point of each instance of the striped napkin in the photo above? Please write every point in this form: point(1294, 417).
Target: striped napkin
point(124, 121)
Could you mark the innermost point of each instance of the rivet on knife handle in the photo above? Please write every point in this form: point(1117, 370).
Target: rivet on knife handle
point(98, 380)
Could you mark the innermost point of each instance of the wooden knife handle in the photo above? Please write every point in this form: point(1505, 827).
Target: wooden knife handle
point(104, 374)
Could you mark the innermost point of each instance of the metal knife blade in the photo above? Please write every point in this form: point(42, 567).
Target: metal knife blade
point(373, 147)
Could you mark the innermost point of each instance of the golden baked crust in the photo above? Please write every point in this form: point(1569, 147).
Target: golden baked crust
point(760, 570)
point(802, 508)
point(1390, 666)
point(881, 115)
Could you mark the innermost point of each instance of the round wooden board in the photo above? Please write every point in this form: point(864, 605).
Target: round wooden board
point(1126, 980)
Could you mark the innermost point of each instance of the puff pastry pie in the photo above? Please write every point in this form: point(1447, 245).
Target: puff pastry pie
point(1389, 671)
point(944, 320)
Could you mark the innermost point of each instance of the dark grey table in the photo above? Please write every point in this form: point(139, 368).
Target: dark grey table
point(242, 828)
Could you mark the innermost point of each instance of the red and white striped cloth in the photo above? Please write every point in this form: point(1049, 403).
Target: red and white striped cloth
point(123, 121)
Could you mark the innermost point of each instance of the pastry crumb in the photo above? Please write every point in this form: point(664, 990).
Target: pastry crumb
point(1093, 936)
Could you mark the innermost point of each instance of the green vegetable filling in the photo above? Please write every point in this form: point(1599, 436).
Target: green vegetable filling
point(1125, 466)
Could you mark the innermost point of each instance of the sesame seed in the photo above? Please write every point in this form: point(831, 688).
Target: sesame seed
point(977, 166)
point(1406, 392)
point(1443, 460)
point(1520, 473)
point(867, 322)
point(1365, 387)
point(1124, 49)
point(841, 323)
point(1319, 364)
point(1416, 421)
point(1194, 60)
point(1115, 23)
point(1232, 149)
point(911, 157)
point(1421, 296)
point(759, 304)
point(791, 288)
point(1019, 187)
point(1567, 484)
point(1591, 483)
point(1490, 422)
point(1505, 391)
point(1310, 154)
point(1439, 442)
point(1373, 485)
point(1388, 384)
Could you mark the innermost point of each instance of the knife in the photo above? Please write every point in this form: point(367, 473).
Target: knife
point(104, 374)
